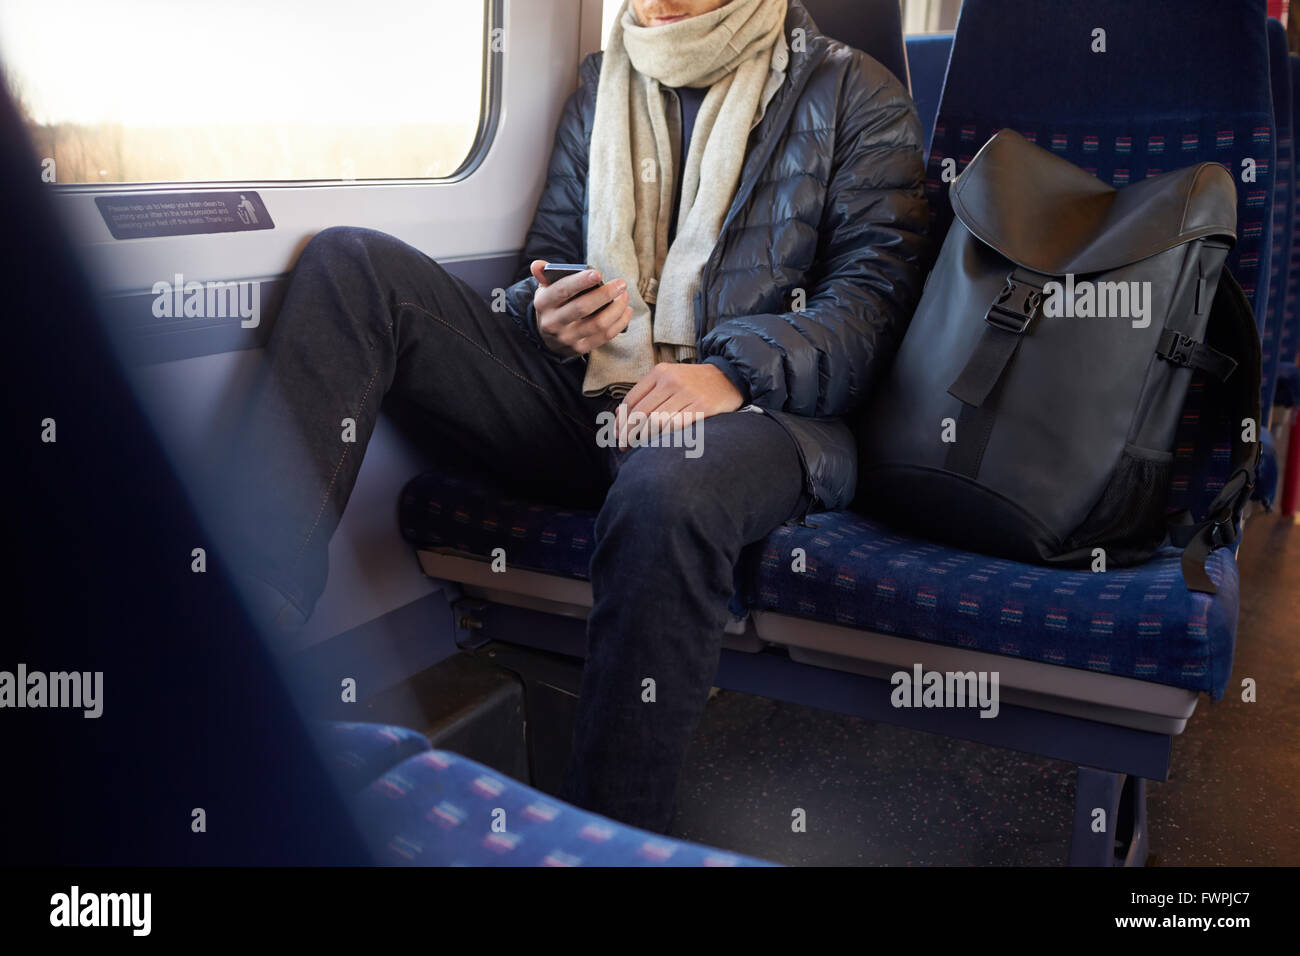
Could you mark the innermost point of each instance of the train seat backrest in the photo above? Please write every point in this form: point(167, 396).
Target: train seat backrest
point(1283, 198)
point(1126, 91)
point(873, 26)
point(1289, 335)
point(927, 62)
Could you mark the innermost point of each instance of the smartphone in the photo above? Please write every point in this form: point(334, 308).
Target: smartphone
point(558, 270)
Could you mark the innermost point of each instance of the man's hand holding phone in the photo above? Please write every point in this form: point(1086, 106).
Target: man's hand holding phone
point(577, 311)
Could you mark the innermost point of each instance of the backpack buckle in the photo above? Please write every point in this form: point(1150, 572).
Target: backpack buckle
point(1180, 349)
point(1016, 306)
point(1223, 533)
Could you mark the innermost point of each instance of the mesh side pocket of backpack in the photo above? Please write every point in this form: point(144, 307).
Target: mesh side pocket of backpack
point(1128, 520)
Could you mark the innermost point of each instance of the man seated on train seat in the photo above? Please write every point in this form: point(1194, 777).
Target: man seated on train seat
point(766, 327)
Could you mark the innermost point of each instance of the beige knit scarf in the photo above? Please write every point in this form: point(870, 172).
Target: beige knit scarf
point(632, 169)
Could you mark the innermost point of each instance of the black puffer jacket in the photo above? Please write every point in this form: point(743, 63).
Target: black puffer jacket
point(830, 202)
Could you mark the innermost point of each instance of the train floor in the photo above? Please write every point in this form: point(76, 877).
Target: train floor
point(876, 794)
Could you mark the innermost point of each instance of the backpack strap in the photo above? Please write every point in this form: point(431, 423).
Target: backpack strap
point(1231, 316)
point(1005, 324)
point(1183, 350)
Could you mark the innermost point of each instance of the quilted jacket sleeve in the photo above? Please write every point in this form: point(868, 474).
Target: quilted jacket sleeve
point(868, 273)
point(558, 232)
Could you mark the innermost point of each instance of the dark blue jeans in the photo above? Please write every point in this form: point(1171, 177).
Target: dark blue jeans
point(367, 316)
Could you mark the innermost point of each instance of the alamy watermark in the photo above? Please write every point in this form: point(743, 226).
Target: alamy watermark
point(82, 690)
point(1098, 300)
point(179, 299)
point(75, 908)
point(922, 688)
point(683, 430)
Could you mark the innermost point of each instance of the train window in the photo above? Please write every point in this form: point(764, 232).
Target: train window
point(929, 16)
point(151, 91)
point(608, 11)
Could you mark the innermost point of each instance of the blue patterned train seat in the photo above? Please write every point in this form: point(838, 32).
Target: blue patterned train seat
point(441, 809)
point(1283, 197)
point(1139, 622)
point(442, 511)
point(358, 752)
point(1288, 385)
point(927, 63)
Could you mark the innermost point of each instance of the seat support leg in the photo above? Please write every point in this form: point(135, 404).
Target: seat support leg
point(1110, 820)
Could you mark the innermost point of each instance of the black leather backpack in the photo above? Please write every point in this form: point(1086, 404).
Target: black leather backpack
point(1031, 410)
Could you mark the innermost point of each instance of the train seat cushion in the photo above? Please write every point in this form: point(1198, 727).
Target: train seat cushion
point(442, 809)
point(472, 517)
point(359, 752)
point(458, 513)
point(1140, 622)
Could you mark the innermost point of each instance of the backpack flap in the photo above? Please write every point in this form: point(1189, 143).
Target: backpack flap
point(1049, 216)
